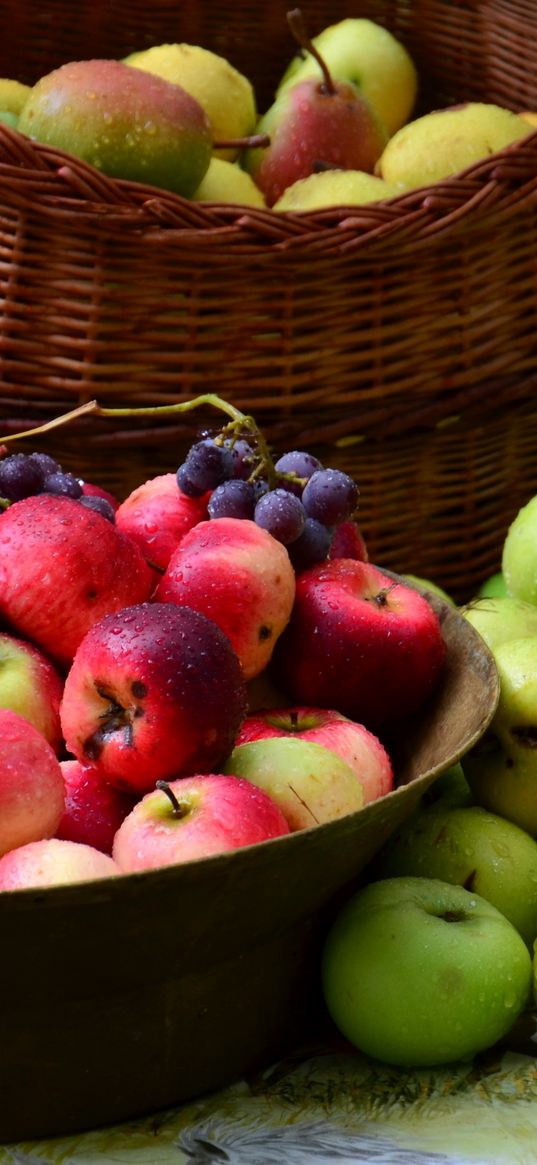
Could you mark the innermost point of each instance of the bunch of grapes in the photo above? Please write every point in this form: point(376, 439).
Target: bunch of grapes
point(24, 474)
point(296, 499)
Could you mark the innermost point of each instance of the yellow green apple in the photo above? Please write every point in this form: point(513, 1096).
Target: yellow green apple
point(500, 619)
point(519, 555)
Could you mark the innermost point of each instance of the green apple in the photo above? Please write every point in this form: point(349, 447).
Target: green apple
point(367, 54)
point(225, 94)
point(449, 789)
point(309, 782)
point(334, 188)
point(500, 619)
point(418, 972)
point(519, 556)
point(493, 587)
point(446, 141)
point(502, 768)
point(473, 848)
point(225, 181)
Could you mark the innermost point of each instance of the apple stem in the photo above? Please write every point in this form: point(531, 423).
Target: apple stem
point(298, 28)
point(178, 809)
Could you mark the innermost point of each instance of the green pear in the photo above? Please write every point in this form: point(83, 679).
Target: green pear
point(367, 54)
point(334, 188)
point(519, 556)
point(446, 141)
point(500, 619)
point(227, 182)
point(124, 122)
point(9, 118)
point(225, 94)
point(470, 847)
point(502, 768)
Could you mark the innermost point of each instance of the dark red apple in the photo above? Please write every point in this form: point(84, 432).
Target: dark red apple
point(94, 809)
point(155, 691)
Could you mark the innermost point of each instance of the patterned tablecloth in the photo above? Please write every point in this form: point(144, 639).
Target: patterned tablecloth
point(329, 1106)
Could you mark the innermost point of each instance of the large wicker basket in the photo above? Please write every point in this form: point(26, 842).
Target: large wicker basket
point(397, 341)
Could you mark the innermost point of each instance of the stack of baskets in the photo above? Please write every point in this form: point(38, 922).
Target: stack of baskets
point(397, 341)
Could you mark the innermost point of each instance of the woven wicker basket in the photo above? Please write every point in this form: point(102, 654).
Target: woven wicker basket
point(398, 341)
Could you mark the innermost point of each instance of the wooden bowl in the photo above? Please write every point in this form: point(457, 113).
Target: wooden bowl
point(124, 996)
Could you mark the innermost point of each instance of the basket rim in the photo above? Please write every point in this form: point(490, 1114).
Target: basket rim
point(61, 186)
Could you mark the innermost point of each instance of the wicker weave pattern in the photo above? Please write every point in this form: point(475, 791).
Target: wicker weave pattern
point(396, 340)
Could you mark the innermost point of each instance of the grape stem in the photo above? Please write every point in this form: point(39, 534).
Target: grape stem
point(239, 422)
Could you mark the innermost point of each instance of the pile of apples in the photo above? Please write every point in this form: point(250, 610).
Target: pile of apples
point(171, 687)
point(339, 132)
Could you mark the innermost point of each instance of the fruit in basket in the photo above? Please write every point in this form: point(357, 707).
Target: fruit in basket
point(154, 691)
point(310, 783)
point(124, 121)
point(471, 847)
point(52, 862)
point(93, 809)
point(13, 95)
point(31, 783)
point(316, 123)
point(363, 751)
point(417, 972)
point(251, 585)
point(157, 514)
point(530, 116)
point(519, 554)
point(494, 586)
point(498, 619)
point(86, 569)
point(370, 56)
point(446, 141)
point(502, 768)
point(195, 817)
point(226, 182)
point(361, 642)
point(226, 95)
point(425, 584)
point(334, 188)
point(31, 686)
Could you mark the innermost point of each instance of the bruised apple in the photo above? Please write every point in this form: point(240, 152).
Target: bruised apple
point(155, 691)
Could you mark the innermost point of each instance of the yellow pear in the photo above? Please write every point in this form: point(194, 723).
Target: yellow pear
point(530, 116)
point(226, 182)
point(13, 95)
point(334, 188)
point(446, 141)
point(226, 95)
point(370, 56)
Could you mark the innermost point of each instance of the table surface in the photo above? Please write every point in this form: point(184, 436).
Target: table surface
point(329, 1105)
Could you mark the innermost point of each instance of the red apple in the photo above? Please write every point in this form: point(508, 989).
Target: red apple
point(361, 642)
point(94, 809)
point(154, 691)
point(52, 862)
point(31, 686)
point(238, 575)
point(62, 568)
point(348, 542)
point(193, 818)
point(362, 751)
point(157, 514)
point(31, 783)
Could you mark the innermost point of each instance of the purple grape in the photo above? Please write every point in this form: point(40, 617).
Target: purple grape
point(232, 499)
point(46, 463)
point(302, 465)
point(185, 485)
point(244, 457)
point(100, 505)
point(62, 485)
point(281, 514)
point(331, 496)
point(20, 477)
point(207, 464)
point(311, 547)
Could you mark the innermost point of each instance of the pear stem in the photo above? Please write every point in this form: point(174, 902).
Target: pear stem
point(298, 28)
point(253, 141)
